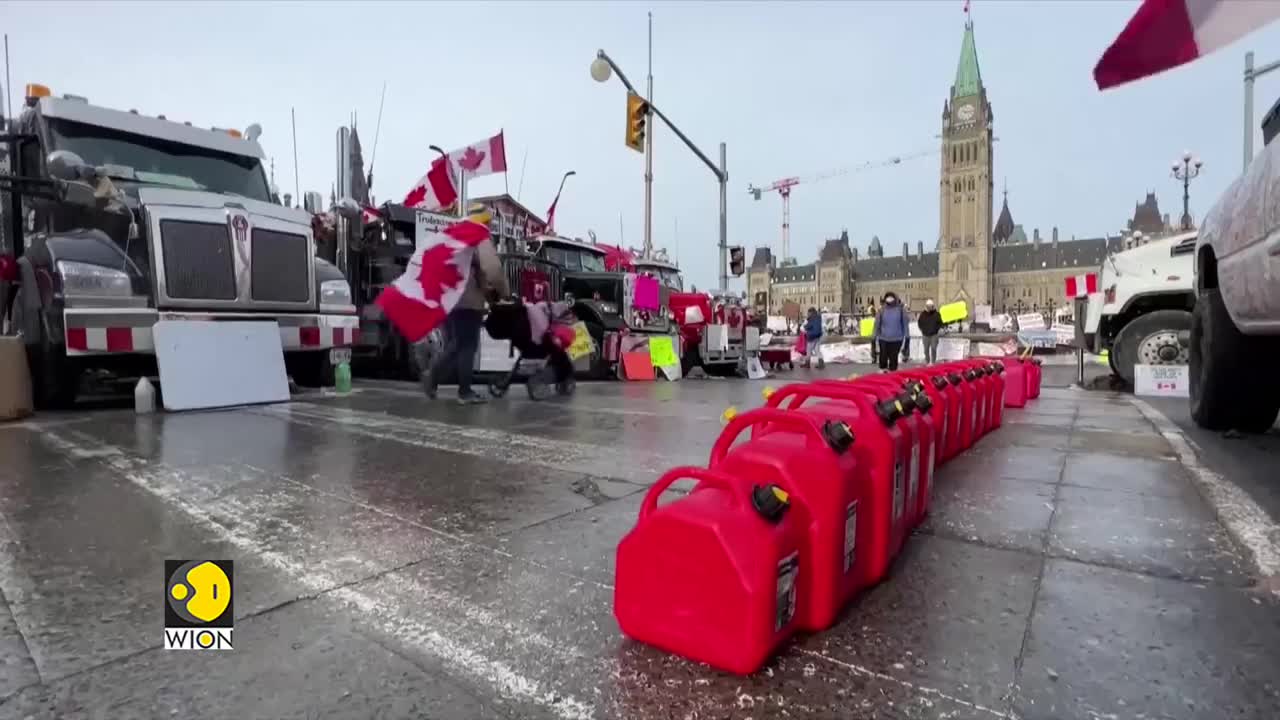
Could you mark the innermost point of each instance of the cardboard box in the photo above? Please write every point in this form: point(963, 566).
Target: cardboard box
point(15, 380)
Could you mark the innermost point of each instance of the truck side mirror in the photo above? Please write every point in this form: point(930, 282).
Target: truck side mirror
point(68, 166)
point(78, 193)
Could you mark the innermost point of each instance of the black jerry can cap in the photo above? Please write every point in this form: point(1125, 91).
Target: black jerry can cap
point(889, 411)
point(998, 367)
point(906, 402)
point(955, 378)
point(770, 502)
point(838, 435)
point(924, 403)
point(939, 382)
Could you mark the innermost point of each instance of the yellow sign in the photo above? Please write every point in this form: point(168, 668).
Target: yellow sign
point(582, 344)
point(866, 326)
point(661, 351)
point(953, 312)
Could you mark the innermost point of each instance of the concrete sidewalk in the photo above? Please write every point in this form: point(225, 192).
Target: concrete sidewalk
point(396, 558)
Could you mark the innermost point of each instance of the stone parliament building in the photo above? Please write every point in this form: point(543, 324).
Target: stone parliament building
point(972, 259)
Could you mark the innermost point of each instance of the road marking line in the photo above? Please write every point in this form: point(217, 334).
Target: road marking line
point(860, 670)
point(389, 618)
point(1244, 519)
point(565, 455)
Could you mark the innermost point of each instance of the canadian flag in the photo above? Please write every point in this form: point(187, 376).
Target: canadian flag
point(1164, 34)
point(435, 190)
point(482, 158)
point(1082, 285)
point(436, 276)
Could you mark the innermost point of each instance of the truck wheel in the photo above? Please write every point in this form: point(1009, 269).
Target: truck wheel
point(311, 369)
point(1225, 367)
point(1150, 339)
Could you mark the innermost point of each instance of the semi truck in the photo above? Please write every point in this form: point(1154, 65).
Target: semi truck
point(115, 220)
point(1142, 312)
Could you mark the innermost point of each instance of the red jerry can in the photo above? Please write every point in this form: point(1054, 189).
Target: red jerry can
point(1033, 384)
point(880, 455)
point(1016, 382)
point(983, 397)
point(941, 400)
point(994, 368)
point(810, 455)
point(964, 379)
point(920, 425)
point(957, 423)
point(713, 576)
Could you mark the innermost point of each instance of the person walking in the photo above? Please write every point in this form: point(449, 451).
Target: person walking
point(462, 327)
point(930, 324)
point(890, 330)
point(813, 338)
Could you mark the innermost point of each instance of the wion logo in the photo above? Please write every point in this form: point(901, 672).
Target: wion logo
point(198, 608)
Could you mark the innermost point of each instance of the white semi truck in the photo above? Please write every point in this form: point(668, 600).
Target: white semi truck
point(1142, 312)
point(114, 220)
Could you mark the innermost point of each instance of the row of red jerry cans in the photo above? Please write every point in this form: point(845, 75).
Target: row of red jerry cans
point(707, 579)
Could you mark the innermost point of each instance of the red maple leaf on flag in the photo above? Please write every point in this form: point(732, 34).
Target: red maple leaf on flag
point(438, 273)
point(471, 159)
point(415, 196)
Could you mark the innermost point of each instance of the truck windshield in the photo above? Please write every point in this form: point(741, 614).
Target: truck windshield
point(670, 278)
point(573, 259)
point(162, 162)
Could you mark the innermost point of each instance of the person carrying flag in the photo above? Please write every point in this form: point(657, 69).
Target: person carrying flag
point(462, 326)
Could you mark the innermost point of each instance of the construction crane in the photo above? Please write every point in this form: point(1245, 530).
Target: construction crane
point(783, 187)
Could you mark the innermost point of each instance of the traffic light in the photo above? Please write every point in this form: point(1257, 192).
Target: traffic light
point(737, 260)
point(637, 120)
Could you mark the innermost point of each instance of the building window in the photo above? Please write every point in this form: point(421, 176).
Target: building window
point(962, 269)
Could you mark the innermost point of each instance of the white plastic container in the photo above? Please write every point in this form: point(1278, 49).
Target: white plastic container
point(144, 397)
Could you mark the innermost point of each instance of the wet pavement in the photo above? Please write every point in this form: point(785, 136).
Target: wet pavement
point(400, 559)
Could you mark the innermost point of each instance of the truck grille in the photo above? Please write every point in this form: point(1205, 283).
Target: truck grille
point(281, 267)
point(197, 260)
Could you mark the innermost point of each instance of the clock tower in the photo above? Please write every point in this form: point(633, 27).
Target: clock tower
point(964, 221)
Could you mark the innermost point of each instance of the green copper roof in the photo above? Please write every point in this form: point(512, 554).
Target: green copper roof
point(968, 77)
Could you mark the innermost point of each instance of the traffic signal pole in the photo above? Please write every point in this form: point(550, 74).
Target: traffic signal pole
point(721, 172)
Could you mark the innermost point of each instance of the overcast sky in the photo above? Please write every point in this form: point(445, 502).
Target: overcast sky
point(793, 88)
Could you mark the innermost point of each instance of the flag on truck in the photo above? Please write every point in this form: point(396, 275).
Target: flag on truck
point(1164, 34)
point(435, 190)
point(482, 158)
point(435, 277)
point(1078, 286)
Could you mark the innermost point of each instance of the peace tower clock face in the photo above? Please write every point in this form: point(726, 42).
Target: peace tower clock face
point(965, 113)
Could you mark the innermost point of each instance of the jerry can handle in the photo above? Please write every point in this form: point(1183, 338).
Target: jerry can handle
point(792, 390)
point(828, 390)
point(702, 475)
point(803, 424)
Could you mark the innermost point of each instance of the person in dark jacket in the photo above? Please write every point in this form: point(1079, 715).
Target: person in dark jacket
point(813, 338)
point(890, 331)
point(930, 324)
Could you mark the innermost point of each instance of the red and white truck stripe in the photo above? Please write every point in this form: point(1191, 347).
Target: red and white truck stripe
point(97, 332)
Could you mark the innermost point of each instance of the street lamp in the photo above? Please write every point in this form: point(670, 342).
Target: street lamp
point(1186, 169)
point(601, 70)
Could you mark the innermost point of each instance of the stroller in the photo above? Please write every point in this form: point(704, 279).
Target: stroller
point(543, 360)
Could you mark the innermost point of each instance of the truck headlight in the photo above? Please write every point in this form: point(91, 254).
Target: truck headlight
point(609, 308)
point(335, 295)
point(83, 279)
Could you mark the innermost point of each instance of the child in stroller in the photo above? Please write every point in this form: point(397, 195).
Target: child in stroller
point(541, 334)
